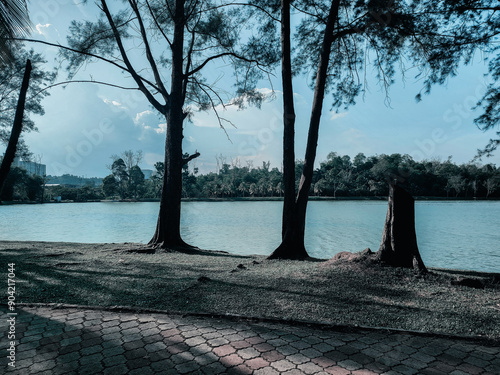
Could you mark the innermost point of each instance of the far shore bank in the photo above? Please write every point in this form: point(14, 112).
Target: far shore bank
point(262, 199)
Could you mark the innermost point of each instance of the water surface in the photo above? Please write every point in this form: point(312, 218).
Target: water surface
point(461, 235)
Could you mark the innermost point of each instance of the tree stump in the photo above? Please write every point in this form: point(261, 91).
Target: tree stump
point(399, 240)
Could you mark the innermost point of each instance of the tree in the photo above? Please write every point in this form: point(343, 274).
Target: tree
point(335, 40)
point(491, 184)
point(13, 188)
point(335, 33)
point(14, 22)
point(132, 158)
point(16, 105)
point(10, 153)
point(180, 39)
point(121, 175)
point(457, 183)
point(109, 185)
point(136, 181)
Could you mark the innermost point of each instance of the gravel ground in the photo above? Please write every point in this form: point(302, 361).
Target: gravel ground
point(341, 292)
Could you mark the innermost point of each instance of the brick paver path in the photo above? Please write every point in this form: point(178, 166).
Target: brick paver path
point(79, 341)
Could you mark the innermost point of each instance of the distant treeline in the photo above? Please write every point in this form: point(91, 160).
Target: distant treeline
point(69, 179)
point(338, 176)
point(341, 176)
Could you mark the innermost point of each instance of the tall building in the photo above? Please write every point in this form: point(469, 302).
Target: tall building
point(31, 167)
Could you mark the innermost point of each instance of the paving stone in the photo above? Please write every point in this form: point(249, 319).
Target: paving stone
point(309, 368)
point(224, 350)
point(283, 365)
point(298, 358)
point(116, 370)
point(142, 371)
point(240, 370)
point(272, 356)
point(257, 340)
point(336, 370)
point(213, 369)
point(55, 342)
point(266, 371)
point(187, 367)
point(287, 350)
point(350, 365)
point(232, 360)
point(256, 363)
point(248, 353)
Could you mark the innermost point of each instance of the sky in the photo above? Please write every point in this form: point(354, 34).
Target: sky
point(85, 124)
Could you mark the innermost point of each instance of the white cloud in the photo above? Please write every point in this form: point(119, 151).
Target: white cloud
point(140, 118)
point(162, 128)
point(42, 29)
point(336, 116)
point(148, 120)
point(207, 119)
point(114, 103)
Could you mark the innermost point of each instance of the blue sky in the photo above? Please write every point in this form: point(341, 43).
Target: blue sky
point(85, 124)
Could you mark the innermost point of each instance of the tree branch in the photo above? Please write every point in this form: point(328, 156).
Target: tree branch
point(83, 81)
point(87, 54)
point(149, 55)
point(198, 68)
point(190, 157)
point(157, 24)
point(130, 68)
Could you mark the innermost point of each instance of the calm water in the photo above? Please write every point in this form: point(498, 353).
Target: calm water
point(461, 235)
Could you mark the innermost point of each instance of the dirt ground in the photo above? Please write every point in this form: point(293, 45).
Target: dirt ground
point(338, 292)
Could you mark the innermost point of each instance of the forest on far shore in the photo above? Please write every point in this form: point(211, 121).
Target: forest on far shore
point(338, 176)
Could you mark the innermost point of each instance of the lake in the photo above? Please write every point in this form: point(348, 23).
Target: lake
point(451, 234)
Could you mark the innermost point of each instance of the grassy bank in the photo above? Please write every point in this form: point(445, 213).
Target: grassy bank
point(339, 293)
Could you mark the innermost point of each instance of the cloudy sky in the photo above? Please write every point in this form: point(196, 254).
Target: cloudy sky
point(85, 124)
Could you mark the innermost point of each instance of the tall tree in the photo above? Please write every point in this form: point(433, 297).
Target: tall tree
point(336, 39)
point(179, 39)
point(14, 22)
point(10, 84)
point(10, 152)
point(292, 245)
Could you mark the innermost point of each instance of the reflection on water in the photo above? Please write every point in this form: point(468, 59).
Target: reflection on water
point(462, 235)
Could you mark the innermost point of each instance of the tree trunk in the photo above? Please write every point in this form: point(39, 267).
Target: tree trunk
point(17, 127)
point(288, 121)
point(167, 234)
point(292, 245)
point(399, 240)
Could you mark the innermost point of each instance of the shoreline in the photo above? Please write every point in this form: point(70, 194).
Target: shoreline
point(219, 283)
point(451, 271)
point(260, 199)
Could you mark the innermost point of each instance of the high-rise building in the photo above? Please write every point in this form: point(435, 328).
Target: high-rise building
point(31, 167)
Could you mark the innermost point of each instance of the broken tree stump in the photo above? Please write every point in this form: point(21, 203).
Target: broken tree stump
point(399, 240)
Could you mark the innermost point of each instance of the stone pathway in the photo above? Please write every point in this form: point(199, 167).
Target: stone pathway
point(84, 341)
